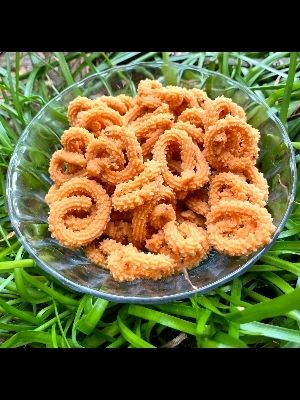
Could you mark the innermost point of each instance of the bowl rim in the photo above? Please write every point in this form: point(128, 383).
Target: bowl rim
point(156, 299)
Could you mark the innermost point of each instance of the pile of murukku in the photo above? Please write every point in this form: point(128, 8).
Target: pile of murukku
point(147, 186)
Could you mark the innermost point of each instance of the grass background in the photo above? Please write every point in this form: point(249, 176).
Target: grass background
point(259, 309)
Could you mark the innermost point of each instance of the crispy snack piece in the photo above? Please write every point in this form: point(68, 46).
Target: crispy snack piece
point(140, 220)
point(76, 140)
point(161, 214)
point(197, 134)
point(186, 238)
point(115, 140)
point(92, 199)
point(98, 118)
point(98, 250)
point(230, 142)
point(229, 186)
point(120, 231)
point(95, 254)
point(238, 227)
point(149, 130)
point(78, 187)
point(249, 172)
point(147, 114)
point(220, 108)
point(198, 202)
point(195, 116)
point(141, 188)
point(60, 163)
point(122, 103)
point(76, 106)
point(127, 263)
point(194, 168)
point(104, 153)
point(158, 244)
point(191, 216)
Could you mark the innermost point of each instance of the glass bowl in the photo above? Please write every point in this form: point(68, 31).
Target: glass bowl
point(28, 182)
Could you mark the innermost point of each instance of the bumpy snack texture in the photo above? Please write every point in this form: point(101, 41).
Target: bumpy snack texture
point(149, 185)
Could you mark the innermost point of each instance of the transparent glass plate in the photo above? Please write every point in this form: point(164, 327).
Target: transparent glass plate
point(28, 182)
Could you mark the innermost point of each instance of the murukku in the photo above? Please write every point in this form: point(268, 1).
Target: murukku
point(116, 139)
point(220, 108)
point(140, 220)
point(191, 216)
point(122, 103)
point(120, 231)
point(195, 116)
point(92, 199)
point(60, 164)
point(249, 172)
point(51, 195)
point(238, 227)
point(157, 244)
point(128, 263)
point(161, 214)
point(229, 186)
point(230, 142)
point(104, 153)
point(194, 168)
point(98, 250)
point(150, 129)
point(76, 106)
point(198, 202)
point(76, 139)
point(141, 188)
point(186, 238)
point(98, 118)
point(197, 134)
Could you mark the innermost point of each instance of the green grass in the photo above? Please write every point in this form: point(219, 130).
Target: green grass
point(259, 309)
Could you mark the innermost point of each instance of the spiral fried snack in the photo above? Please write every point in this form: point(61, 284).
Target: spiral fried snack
point(230, 142)
point(195, 170)
point(78, 187)
point(104, 153)
point(161, 214)
point(122, 103)
point(98, 250)
point(198, 202)
point(98, 118)
point(147, 114)
point(120, 231)
point(219, 108)
point(186, 238)
point(177, 98)
point(76, 140)
point(128, 263)
point(60, 164)
point(158, 244)
point(95, 254)
point(229, 186)
point(141, 214)
point(191, 216)
point(92, 199)
point(197, 134)
point(142, 188)
point(76, 106)
point(115, 139)
point(195, 116)
point(149, 130)
point(238, 227)
point(249, 172)
point(134, 176)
